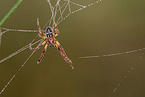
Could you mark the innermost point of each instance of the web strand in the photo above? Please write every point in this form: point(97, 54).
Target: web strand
point(52, 17)
point(82, 7)
point(122, 81)
point(114, 54)
point(18, 51)
point(17, 30)
point(124, 77)
point(61, 17)
point(16, 73)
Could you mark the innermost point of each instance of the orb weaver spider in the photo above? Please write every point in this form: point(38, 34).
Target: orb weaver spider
point(49, 39)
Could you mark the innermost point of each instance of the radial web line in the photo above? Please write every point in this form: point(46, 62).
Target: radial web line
point(16, 73)
point(61, 17)
point(52, 9)
point(60, 10)
point(21, 65)
point(66, 4)
point(17, 30)
point(69, 6)
point(57, 5)
point(122, 80)
point(4, 32)
point(55, 12)
point(18, 51)
point(125, 77)
point(48, 22)
point(114, 54)
point(1, 33)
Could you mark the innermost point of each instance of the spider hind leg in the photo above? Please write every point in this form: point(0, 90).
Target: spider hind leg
point(63, 54)
point(42, 54)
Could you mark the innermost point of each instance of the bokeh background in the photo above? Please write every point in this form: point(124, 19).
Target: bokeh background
point(109, 27)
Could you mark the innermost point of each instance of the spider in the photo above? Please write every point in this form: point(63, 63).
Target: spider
point(49, 40)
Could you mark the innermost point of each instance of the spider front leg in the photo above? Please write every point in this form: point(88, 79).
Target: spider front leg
point(40, 32)
point(42, 54)
point(30, 47)
point(63, 54)
point(56, 31)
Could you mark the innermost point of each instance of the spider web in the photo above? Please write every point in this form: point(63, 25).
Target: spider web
point(66, 4)
point(59, 13)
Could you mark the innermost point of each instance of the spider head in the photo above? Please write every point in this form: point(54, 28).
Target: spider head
point(49, 32)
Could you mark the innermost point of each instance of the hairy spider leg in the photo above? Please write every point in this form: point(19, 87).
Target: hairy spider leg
point(63, 54)
point(40, 32)
point(42, 54)
point(36, 47)
point(56, 31)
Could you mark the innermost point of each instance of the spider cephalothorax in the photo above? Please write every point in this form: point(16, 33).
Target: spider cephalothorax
point(49, 32)
point(49, 39)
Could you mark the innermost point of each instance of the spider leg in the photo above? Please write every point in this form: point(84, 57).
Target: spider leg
point(42, 54)
point(56, 31)
point(36, 47)
point(40, 32)
point(42, 36)
point(63, 54)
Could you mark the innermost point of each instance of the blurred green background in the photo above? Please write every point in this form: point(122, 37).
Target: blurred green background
point(109, 27)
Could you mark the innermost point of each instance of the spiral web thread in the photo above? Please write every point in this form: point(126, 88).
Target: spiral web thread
point(57, 8)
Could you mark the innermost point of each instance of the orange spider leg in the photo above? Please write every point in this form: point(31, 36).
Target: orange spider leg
point(42, 36)
point(56, 31)
point(37, 47)
point(40, 32)
point(42, 53)
point(63, 54)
